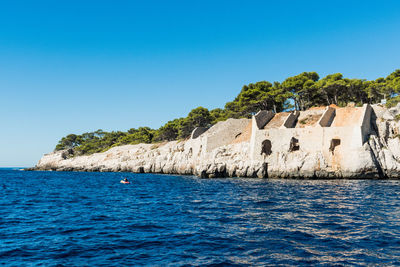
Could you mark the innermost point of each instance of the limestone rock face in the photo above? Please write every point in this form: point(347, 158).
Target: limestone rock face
point(234, 149)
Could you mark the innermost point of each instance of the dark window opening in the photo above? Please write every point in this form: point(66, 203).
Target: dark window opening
point(294, 145)
point(266, 147)
point(334, 144)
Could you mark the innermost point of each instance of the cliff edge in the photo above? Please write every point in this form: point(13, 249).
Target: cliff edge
point(330, 142)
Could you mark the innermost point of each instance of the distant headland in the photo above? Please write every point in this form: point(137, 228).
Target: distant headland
point(304, 127)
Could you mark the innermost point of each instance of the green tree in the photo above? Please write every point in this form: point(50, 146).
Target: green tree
point(70, 141)
point(217, 115)
point(375, 90)
point(136, 136)
point(356, 91)
point(333, 86)
point(302, 89)
point(169, 131)
point(198, 117)
point(232, 109)
point(392, 84)
point(257, 96)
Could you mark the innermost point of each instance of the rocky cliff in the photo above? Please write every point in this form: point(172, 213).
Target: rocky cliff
point(330, 143)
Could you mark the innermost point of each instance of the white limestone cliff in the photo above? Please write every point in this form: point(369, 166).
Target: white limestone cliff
point(330, 142)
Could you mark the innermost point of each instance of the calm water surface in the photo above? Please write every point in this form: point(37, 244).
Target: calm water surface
point(61, 218)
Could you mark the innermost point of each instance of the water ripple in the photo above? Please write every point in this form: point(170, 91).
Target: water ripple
point(64, 219)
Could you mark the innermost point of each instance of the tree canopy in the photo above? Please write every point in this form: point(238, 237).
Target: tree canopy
point(298, 92)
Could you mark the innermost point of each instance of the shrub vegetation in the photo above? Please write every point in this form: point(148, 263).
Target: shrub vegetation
point(299, 92)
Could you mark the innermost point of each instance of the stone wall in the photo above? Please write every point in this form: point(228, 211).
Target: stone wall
point(335, 144)
point(224, 133)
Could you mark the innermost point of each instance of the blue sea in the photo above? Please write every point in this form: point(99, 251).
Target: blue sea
point(91, 219)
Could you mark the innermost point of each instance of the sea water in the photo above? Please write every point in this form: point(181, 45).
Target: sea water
point(71, 218)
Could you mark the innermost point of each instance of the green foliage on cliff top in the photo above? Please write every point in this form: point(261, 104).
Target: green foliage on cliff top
point(300, 92)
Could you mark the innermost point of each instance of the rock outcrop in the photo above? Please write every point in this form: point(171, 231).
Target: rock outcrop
point(326, 143)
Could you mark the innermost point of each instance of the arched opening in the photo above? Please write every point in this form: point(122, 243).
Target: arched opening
point(334, 143)
point(294, 145)
point(266, 147)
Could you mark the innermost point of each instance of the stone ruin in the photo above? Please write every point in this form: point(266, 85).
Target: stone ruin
point(335, 134)
point(323, 130)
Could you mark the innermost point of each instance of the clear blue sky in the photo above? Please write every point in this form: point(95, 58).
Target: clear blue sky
point(77, 66)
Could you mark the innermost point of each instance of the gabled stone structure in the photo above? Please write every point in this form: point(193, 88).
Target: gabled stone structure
point(336, 134)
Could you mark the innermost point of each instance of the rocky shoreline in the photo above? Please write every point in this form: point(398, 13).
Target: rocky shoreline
point(341, 143)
